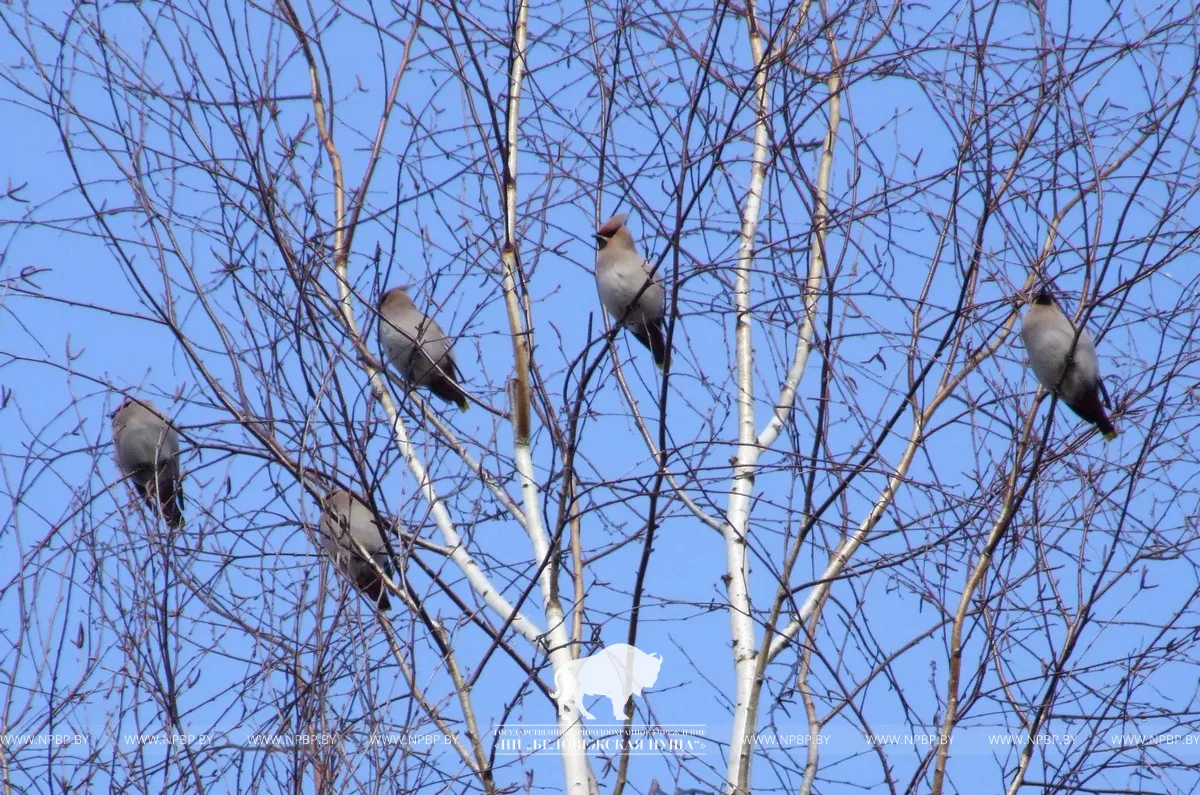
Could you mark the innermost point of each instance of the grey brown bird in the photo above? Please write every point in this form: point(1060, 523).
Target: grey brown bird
point(1073, 374)
point(629, 291)
point(343, 518)
point(147, 449)
point(418, 348)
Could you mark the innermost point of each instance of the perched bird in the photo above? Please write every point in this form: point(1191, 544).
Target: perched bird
point(1073, 375)
point(623, 279)
point(148, 452)
point(417, 347)
point(343, 518)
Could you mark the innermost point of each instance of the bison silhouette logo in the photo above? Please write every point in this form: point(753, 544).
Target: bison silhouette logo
point(618, 672)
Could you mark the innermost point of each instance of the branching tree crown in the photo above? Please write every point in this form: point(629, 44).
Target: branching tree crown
point(870, 551)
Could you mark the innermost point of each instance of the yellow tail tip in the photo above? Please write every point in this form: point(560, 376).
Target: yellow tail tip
point(463, 405)
point(1108, 437)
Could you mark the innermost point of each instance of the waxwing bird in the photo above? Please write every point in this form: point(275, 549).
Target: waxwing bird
point(147, 450)
point(1073, 374)
point(635, 298)
point(418, 348)
point(344, 518)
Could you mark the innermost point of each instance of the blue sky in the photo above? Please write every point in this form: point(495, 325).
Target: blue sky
point(254, 611)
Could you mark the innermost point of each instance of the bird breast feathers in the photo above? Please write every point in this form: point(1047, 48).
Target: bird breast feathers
point(1048, 356)
point(144, 442)
point(621, 285)
point(361, 528)
point(405, 336)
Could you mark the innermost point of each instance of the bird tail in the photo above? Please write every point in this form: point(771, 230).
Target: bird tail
point(371, 584)
point(651, 335)
point(445, 387)
point(1091, 410)
point(164, 495)
point(170, 495)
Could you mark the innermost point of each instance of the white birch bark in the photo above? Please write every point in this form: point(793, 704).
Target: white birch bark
point(741, 622)
point(576, 770)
